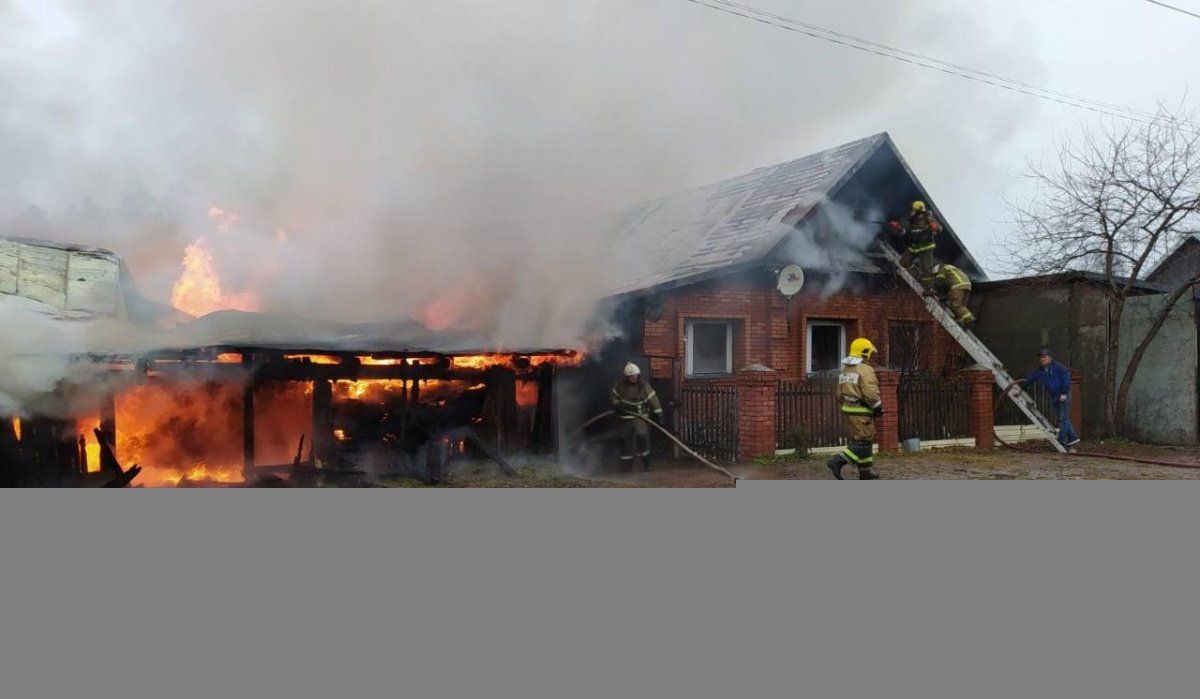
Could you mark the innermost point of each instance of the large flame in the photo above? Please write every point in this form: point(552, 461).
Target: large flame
point(198, 290)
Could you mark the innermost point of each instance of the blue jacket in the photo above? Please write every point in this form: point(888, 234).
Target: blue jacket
point(1056, 378)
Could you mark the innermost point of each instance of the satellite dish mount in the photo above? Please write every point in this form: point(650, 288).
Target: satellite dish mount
point(789, 281)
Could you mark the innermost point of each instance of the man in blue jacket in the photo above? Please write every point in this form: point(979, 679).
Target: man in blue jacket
point(1057, 380)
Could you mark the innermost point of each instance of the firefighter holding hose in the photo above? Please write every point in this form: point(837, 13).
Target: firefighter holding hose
point(858, 394)
point(631, 398)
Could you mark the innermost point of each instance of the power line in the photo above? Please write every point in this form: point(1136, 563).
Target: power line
point(1172, 7)
point(931, 63)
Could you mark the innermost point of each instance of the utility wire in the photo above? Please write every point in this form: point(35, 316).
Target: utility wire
point(928, 62)
point(930, 59)
point(1172, 7)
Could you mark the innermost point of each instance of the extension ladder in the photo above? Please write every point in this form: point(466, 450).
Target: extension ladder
point(978, 351)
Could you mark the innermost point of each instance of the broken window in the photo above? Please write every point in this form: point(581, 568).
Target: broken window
point(826, 346)
point(709, 347)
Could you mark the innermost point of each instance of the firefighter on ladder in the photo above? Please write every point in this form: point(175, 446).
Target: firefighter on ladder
point(858, 394)
point(953, 286)
point(630, 398)
point(918, 231)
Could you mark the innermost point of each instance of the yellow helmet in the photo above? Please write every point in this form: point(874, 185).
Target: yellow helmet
point(918, 205)
point(862, 347)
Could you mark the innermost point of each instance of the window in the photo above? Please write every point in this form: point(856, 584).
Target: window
point(826, 346)
point(904, 346)
point(709, 347)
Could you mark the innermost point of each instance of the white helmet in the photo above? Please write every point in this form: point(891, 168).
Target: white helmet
point(632, 369)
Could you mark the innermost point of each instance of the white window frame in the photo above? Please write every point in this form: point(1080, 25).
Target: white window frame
point(691, 323)
point(808, 355)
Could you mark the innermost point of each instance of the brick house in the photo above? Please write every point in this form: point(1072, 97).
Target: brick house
point(702, 302)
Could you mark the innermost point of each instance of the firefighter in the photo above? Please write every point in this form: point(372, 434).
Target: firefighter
point(919, 229)
point(630, 398)
point(858, 394)
point(952, 285)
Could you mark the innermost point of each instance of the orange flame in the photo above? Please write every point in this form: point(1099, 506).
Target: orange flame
point(16, 423)
point(314, 358)
point(86, 427)
point(198, 290)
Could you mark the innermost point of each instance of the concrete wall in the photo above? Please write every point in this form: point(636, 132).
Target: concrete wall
point(1162, 400)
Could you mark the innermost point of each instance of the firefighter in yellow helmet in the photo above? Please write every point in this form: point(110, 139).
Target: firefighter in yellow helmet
point(953, 286)
point(858, 395)
point(630, 398)
point(919, 229)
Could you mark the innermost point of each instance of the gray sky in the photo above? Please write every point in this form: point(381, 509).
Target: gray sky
point(411, 148)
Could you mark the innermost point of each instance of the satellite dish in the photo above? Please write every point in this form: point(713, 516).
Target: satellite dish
point(790, 281)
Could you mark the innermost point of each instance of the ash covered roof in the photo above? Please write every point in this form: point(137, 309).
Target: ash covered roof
point(695, 234)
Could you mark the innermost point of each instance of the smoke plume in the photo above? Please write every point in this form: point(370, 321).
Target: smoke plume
point(451, 161)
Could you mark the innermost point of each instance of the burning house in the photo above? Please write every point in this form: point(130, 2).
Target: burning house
point(139, 393)
point(709, 295)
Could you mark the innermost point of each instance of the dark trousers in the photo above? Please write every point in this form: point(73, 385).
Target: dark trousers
point(635, 442)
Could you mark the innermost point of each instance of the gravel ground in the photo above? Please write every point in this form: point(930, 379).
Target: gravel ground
point(944, 464)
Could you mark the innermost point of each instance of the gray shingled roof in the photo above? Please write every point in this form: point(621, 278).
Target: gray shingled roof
point(723, 224)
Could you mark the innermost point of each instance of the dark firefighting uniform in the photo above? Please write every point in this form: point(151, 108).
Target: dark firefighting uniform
point(919, 229)
point(630, 400)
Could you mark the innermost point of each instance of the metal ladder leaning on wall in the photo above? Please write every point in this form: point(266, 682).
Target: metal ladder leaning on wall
point(978, 351)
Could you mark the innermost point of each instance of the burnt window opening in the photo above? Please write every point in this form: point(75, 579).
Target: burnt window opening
point(826, 346)
point(709, 347)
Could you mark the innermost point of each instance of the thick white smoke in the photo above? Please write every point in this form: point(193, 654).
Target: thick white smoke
point(463, 152)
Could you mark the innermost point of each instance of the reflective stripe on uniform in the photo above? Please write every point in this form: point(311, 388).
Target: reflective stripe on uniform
point(863, 461)
point(857, 410)
point(918, 249)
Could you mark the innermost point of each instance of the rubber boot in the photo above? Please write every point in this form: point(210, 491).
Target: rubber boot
point(835, 466)
point(866, 473)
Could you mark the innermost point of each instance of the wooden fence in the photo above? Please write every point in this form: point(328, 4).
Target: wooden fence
point(808, 414)
point(708, 419)
point(1007, 412)
point(933, 408)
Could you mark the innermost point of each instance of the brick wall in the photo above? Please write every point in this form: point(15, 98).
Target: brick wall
point(769, 330)
point(982, 408)
point(757, 385)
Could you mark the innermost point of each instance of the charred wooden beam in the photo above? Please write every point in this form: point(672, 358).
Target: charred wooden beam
point(475, 440)
point(108, 428)
point(323, 443)
point(120, 477)
point(543, 416)
point(248, 431)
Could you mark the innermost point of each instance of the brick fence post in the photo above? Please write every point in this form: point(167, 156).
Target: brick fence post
point(887, 428)
point(757, 386)
point(1077, 401)
point(982, 408)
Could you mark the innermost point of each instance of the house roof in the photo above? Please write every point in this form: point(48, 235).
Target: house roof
point(727, 225)
point(1164, 266)
point(1067, 277)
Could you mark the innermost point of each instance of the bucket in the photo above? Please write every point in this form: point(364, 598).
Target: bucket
point(912, 445)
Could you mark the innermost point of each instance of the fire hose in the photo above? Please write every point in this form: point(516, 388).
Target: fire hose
point(1096, 455)
point(665, 431)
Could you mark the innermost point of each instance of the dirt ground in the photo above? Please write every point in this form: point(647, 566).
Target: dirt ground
point(943, 464)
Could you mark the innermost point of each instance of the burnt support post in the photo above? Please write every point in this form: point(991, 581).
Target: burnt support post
point(322, 419)
point(543, 417)
point(108, 428)
point(248, 431)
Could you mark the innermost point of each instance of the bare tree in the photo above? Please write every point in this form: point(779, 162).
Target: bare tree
point(1115, 201)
